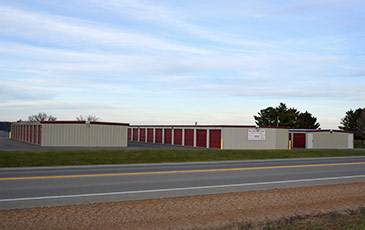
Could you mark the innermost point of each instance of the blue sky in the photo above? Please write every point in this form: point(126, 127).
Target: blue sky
point(177, 62)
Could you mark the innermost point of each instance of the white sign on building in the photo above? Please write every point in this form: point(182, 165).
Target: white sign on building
point(256, 134)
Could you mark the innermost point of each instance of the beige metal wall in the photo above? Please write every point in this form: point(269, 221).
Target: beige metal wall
point(282, 138)
point(328, 140)
point(84, 135)
point(237, 138)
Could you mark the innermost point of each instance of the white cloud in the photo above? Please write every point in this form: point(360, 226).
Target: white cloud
point(45, 28)
point(145, 11)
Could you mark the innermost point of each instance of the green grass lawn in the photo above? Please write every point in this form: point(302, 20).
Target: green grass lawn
point(132, 156)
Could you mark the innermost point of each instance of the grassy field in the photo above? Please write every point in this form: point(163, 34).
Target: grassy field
point(132, 156)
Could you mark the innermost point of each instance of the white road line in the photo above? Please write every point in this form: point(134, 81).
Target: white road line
point(179, 189)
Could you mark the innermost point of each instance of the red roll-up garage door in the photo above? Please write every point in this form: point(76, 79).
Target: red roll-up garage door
point(31, 134)
point(142, 135)
point(129, 134)
point(39, 135)
point(35, 134)
point(135, 134)
point(189, 137)
point(177, 136)
point(28, 134)
point(158, 136)
point(22, 132)
point(201, 138)
point(167, 137)
point(299, 140)
point(215, 139)
point(150, 135)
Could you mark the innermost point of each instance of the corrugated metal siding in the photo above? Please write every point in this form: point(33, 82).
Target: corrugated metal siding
point(158, 133)
point(282, 141)
point(237, 138)
point(26, 132)
point(327, 140)
point(23, 133)
point(129, 134)
point(215, 139)
point(177, 136)
point(135, 134)
point(31, 133)
point(201, 138)
point(142, 135)
point(82, 135)
point(299, 140)
point(39, 135)
point(150, 135)
point(168, 136)
point(189, 137)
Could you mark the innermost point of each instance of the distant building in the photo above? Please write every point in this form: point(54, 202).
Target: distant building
point(71, 133)
point(4, 133)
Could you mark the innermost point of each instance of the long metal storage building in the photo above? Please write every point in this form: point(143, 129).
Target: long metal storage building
point(212, 136)
point(321, 139)
point(71, 133)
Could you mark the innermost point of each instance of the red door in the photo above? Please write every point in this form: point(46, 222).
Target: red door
point(129, 134)
point(215, 139)
point(28, 133)
point(150, 135)
point(201, 138)
point(299, 140)
point(35, 135)
point(31, 134)
point(39, 135)
point(158, 136)
point(142, 135)
point(177, 136)
point(135, 134)
point(167, 138)
point(189, 137)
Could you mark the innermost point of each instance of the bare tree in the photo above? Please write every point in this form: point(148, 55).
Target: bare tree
point(41, 117)
point(88, 118)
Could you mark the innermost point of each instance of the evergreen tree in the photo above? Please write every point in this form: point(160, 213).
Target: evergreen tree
point(360, 131)
point(349, 122)
point(284, 116)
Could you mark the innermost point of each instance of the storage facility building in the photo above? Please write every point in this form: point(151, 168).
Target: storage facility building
point(212, 136)
point(71, 133)
point(321, 139)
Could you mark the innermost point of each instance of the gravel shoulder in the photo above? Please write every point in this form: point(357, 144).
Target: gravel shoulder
point(223, 211)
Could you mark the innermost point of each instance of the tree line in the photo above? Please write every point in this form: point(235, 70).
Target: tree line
point(45, 117)
point(281, 115)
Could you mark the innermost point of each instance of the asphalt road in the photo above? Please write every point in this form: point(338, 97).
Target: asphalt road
point(49, 186)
